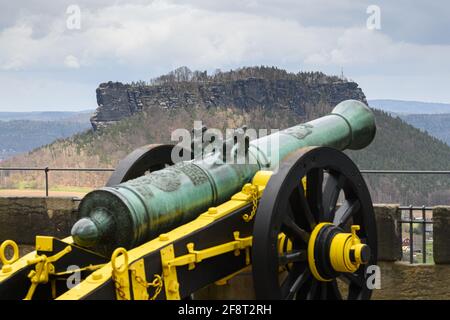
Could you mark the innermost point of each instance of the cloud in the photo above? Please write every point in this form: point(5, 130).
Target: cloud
point(171, 34)
point(71, 62)
point(124, 39)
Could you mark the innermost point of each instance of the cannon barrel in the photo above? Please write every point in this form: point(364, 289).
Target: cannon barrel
point(136, 211)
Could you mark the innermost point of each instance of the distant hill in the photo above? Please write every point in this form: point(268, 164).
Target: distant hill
point(410, 107)
point(259, 98)
point(437, 125)
point(24, 131)
point(400, 146)
point(81, 116)
point(433, 118)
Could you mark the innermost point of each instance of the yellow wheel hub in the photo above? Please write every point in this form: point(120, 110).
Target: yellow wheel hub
point(332, 251)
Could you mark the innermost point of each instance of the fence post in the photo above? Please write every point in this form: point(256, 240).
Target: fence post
point(424, 236)
point(46, 170)
point(411, 235)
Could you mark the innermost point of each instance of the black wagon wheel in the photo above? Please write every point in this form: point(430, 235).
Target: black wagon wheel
point(328, 257)
point(148, 158)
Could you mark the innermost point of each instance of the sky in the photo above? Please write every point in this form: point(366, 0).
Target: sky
point(54, 54)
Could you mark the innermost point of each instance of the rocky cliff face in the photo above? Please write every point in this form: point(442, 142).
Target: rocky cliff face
point(117, 101)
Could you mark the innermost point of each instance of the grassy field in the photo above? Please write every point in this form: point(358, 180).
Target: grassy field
point(56, 192)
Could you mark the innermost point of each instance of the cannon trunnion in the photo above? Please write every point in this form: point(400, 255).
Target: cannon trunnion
point(304, 224)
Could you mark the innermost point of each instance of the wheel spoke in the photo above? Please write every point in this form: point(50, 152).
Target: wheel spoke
point(293, 231)
point(345, 212)
point(352, 278)
point(314, 193)
point(301, 279)
point(335, 290)
point(299, 203)
point(323, 290)
point(331, 193)
point(291, 257)
point(312, 292)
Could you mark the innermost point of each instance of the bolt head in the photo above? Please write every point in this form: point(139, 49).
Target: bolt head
point(163, 237)
point(212, 210)
point(97, 276)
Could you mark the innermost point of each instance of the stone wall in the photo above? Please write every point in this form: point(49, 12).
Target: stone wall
point(441, 235)
point(404, 281)
point(401, 280)
point(22, 218)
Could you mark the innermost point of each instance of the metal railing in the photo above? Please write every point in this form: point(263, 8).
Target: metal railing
point(411, 220)
point(406, 171)
point(411, 217)
point(46, 171)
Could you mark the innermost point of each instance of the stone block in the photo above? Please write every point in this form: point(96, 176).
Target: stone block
point(441, 234)
point(389, 232)
point(22, 218)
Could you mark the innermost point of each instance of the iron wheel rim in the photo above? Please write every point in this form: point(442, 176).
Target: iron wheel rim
point(148, 158)
point(275, 215)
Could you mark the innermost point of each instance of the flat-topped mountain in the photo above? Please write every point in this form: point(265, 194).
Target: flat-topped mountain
point(247, 88)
